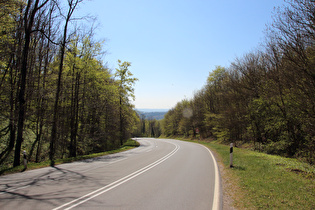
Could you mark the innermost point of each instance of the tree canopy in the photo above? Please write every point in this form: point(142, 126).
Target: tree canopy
point(265, 98)
point(57, 98)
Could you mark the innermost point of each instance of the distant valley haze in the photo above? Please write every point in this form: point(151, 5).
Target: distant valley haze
point(157, 114)
point(152, 110)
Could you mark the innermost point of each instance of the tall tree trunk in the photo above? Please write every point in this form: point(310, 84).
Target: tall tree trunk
point(55, 113)
point(12, 122)
point(43, 100)
point(72, 5)
point(121, 129)
point(74, 116)
point(28, 24)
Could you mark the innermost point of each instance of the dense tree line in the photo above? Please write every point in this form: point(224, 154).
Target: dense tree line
point(148, 127)
point(57, 98)
point(266, 97)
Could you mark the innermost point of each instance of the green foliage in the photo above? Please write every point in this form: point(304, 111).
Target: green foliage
point(89, 104)
point(131, 143)
point(266, 98)
point(216, 76)
point(127, 116)
point(147, 127)
point(9, 13)
point(289, 185)
point(125, 80)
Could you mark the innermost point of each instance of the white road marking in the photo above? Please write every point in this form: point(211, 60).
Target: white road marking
point(216, 194)
point(115, 184)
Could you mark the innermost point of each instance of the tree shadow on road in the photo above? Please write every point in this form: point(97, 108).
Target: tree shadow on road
point(48, 187)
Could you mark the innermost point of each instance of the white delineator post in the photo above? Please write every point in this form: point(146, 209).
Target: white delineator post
point(231, 155)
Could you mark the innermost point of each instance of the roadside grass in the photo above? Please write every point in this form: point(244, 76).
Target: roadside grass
point(126, 146)
point(269, 181)
point(262, 181)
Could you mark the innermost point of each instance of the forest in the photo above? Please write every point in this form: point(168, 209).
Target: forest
point(148, 126)
point(57, 97)
point(264, 99)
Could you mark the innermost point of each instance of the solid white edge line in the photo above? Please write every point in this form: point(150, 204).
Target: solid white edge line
point(118, 182)
point(216, 195)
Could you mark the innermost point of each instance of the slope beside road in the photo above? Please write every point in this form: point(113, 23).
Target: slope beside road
point(160, 174)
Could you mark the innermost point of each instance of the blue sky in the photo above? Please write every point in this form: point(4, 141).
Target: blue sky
point(174, 44)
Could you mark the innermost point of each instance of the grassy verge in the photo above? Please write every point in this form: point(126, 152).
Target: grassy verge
point(126, 146)
point(261, 181)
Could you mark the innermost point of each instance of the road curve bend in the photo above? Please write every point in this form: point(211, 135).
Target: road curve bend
point(160, 174)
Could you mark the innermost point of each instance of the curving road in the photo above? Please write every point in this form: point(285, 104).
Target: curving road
point(160, 174)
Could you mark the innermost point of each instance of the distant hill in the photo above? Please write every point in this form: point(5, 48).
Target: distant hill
point(154, 115)
point(152, 110)
point(157, 114)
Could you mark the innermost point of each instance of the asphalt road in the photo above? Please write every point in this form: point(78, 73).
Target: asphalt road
point(160, 174)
